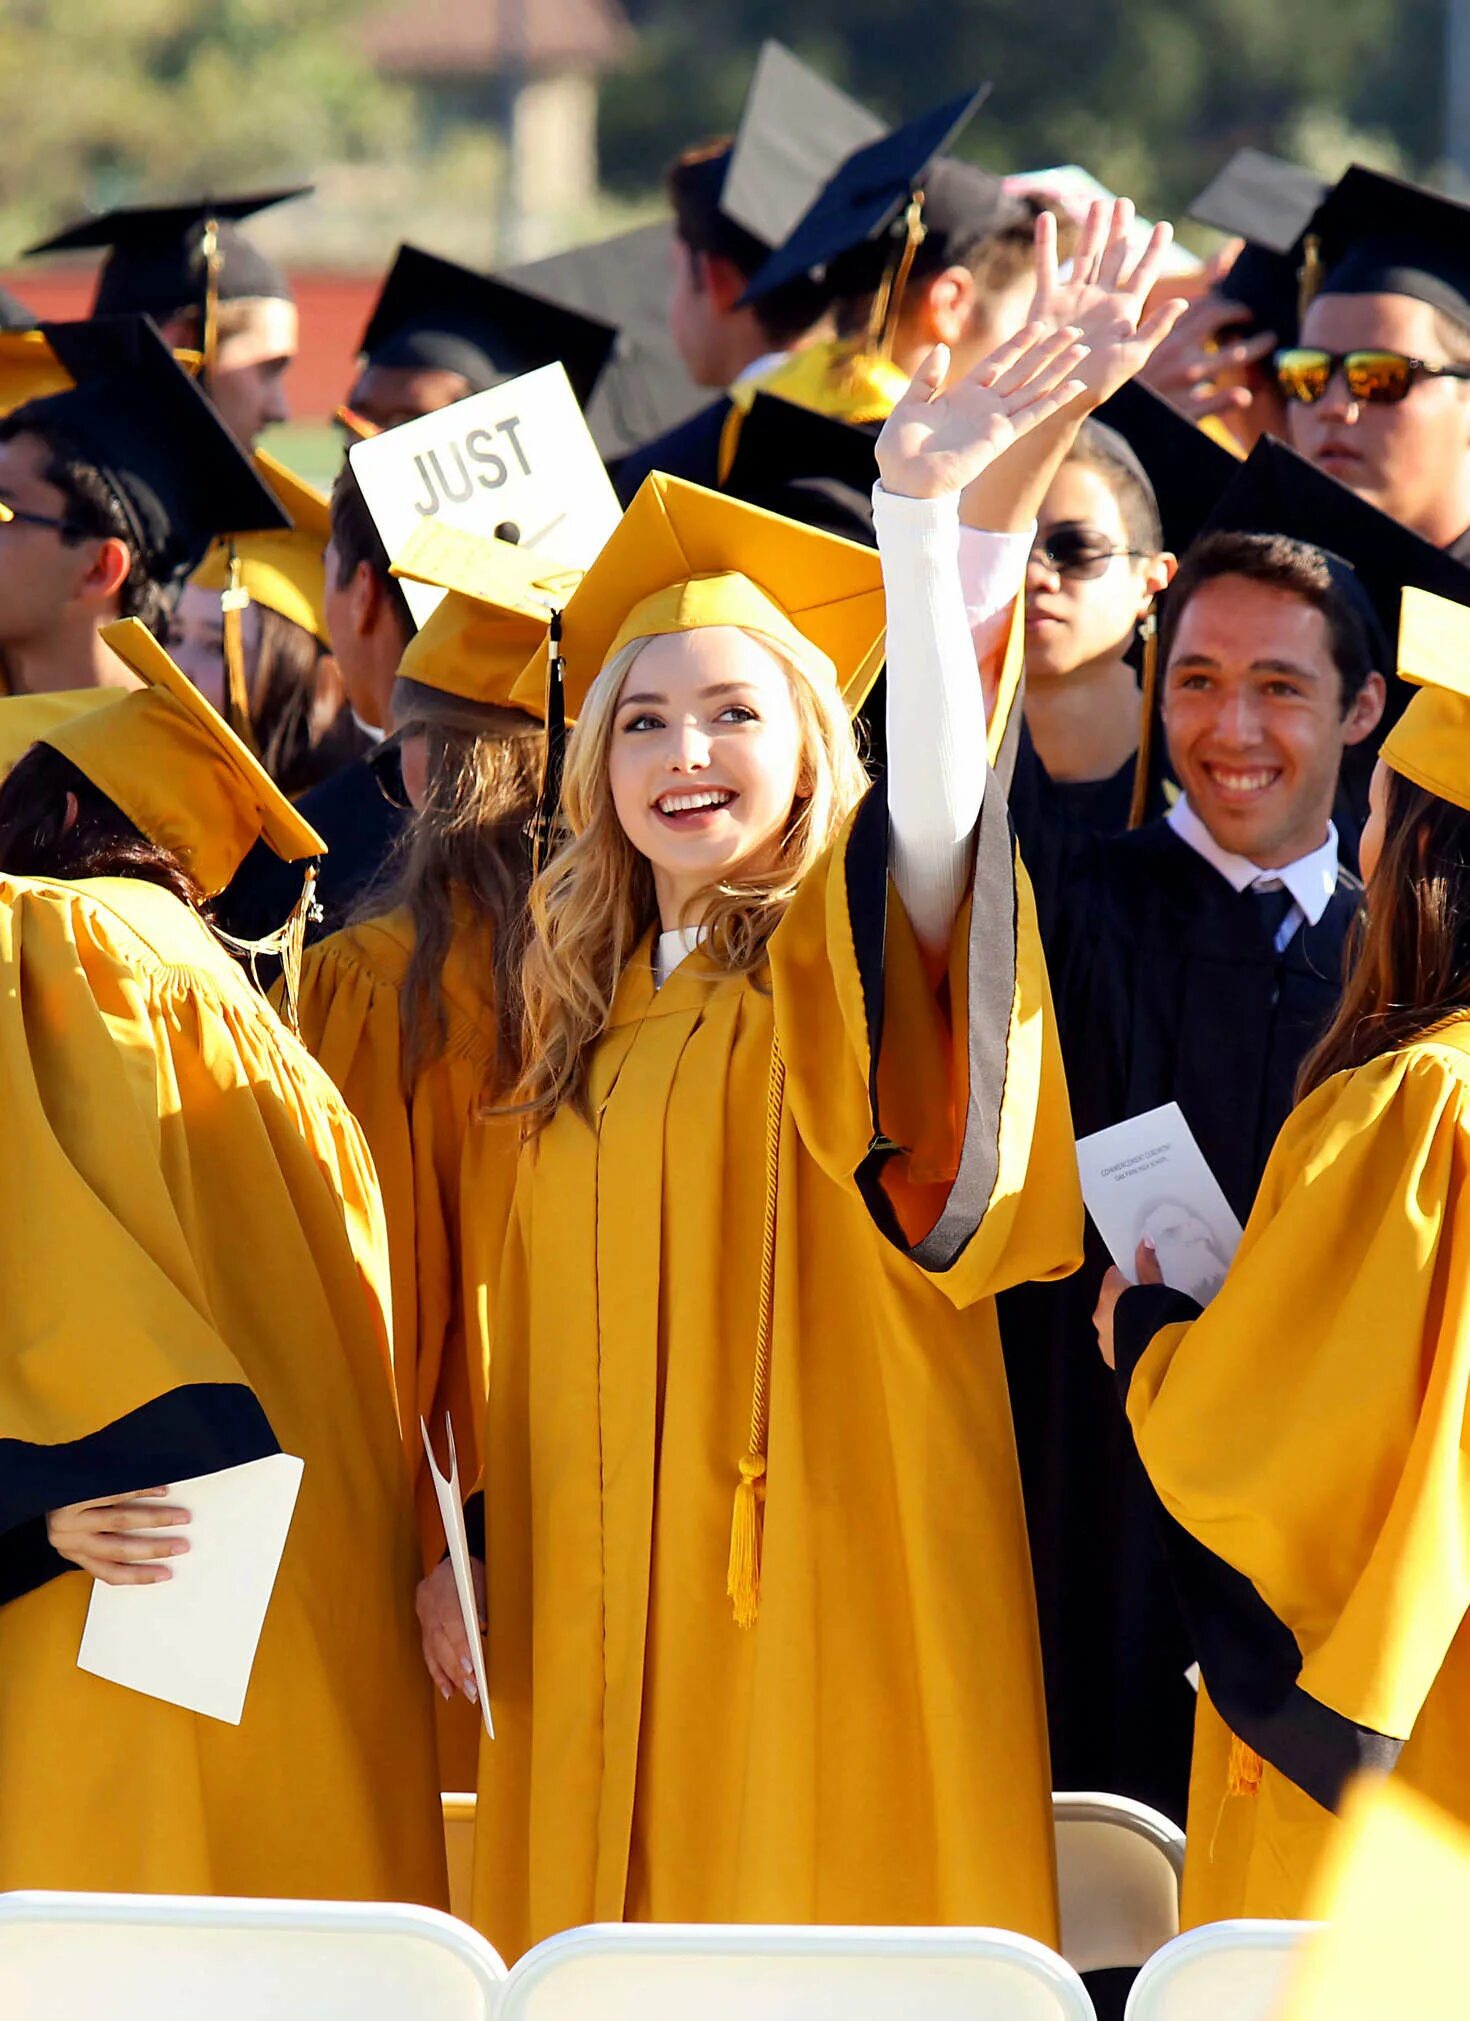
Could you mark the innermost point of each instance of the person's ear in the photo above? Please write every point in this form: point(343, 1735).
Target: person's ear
point(947, 306)
point(1365, 710)
point(69, 813)
point(721, 280)
point(1158, 572)
point(365, 600)
point(110, 565)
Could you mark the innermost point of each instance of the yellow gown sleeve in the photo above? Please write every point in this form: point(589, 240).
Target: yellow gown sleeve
point(946, 1107)
point(1305, 1434)
point(431, 1150)
point(114, 1372)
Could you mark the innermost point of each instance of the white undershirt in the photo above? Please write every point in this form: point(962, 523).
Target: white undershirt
point(936, 705)
point(1311, 879)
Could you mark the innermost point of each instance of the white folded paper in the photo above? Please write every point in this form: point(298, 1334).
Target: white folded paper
point(191, 1639)
point(451, 1511)
point(1148, 1177)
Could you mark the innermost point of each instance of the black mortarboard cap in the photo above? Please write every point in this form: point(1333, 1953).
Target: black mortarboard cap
point(1376, 235)
point(1186, 472)
point(863, 203)
point(434, 314)
point(644, 389)
point(1277, 491)
point(138, 418)
point(155, 265)
point(796, 130)
point(807, 466)
point(1268, 203)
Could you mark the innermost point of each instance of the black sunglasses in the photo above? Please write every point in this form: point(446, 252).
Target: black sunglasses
point(1070, 551)
point(1377, 378)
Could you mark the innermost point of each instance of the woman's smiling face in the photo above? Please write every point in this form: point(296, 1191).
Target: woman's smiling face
point(705, 761)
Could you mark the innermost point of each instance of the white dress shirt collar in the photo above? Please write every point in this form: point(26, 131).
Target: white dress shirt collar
point(1311, 879)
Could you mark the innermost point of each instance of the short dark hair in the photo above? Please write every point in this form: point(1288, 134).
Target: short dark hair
point(93, 513)
point(1301, 571)
point(695, 183)
point(1102, 449)
point(357, 540)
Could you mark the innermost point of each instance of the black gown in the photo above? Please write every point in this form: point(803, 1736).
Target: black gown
point(690, 450)
point(1167, 988)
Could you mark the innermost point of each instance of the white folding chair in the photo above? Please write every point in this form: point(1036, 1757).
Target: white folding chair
point(1118, 1870)
point(1219, 1972)
point(459, 1848)
point(66, 1957)
point(729, 1972)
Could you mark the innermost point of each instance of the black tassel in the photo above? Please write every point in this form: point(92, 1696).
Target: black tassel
point(546, 822)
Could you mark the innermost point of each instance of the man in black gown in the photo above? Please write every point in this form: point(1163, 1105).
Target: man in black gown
point(1195, 960)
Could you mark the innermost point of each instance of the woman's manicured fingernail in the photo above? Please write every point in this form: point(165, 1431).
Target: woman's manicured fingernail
point(466, 1666)
point(472, 1694)
point(445, 1692)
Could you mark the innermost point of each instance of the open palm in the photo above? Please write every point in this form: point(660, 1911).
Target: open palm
point(939, 438)
point(1104, 295)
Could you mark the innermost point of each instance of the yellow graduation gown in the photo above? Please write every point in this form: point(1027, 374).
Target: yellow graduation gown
point(195, 1263)
point(873, 1748)
point(432, 1149)
point(1306, 1439)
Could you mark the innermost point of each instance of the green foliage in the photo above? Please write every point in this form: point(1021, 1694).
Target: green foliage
point(113, 101)
point(1151, 95)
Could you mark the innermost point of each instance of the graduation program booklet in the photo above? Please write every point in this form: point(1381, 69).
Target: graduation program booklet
point(191, 1639)
point(1148, 1177)
point(451, 1511)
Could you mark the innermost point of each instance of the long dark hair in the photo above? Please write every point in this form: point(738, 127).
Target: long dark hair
point(1410, 956)
point(35, 840)
point(467, 850)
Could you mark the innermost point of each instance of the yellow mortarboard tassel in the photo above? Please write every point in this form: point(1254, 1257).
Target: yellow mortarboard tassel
point(1246, 1769)
point(233, 603)
point(747, 1522)
point(888, 301)
point(212, 262)
point(287, 944)
point(1311, 275)
point(1143, 763)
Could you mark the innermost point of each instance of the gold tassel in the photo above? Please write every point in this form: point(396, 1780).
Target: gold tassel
point(888, 301)
point(747, 1522)
point(1143, 763)
point(210, 344)
point(287, 944)
point(1246, 1769)
point(1310, 275)
point(233, 603)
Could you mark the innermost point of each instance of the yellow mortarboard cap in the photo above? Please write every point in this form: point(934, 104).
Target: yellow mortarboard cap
point(1430, 743)
point(682, 558)
point(177, 770)
point(495, 614)
point(29, 719)
point(29, 369)
point(1393, 1896)
point(284, 570)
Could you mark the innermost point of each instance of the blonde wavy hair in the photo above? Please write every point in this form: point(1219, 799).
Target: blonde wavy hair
point(594, 900)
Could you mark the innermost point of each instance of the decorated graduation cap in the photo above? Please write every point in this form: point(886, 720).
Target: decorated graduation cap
point(683, 558)
point(172, 764)
point(1430, 742)
point(168, 461)
point(644, 389)
point(433, 314)
point(163, 259)
point(1185, 470)
point(796, 129)
point(464, 663)
point(1269, 203)
point(1375, 235)
point(870, 212)
point(282, 568)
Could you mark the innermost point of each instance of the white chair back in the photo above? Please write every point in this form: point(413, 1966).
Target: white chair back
point(732, 1972)
point(1219, 1972)
point(1118, 1870)
point(74, 1957)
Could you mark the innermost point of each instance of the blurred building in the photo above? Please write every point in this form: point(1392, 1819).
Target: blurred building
point(529, 67)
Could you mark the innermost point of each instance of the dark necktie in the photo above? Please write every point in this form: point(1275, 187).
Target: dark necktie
point(1271, 906)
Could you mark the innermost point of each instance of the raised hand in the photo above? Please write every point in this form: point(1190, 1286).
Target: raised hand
point(1205, 367)
point(939, 439)
point(1104, 295)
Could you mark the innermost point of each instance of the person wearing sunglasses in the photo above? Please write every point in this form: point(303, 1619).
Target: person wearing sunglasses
point(1098, 563)
point(1377, 390)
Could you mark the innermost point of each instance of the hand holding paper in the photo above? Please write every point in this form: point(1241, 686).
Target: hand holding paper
point(1147, 1178)
point(451, 1510)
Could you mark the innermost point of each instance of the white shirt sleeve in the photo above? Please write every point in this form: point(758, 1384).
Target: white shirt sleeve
point(936, 706)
